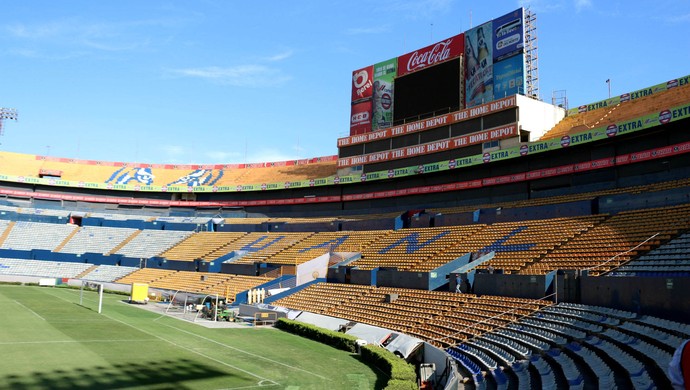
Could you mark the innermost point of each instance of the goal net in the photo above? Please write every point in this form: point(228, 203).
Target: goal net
point(91, 295)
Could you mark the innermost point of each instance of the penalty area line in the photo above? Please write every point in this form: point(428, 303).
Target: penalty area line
point(27, 308)
point(197, 352)
point(243, 351)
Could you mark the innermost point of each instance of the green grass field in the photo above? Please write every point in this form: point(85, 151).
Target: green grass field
point(49, 341)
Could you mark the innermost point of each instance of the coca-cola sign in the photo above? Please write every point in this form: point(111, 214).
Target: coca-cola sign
point(431, 55)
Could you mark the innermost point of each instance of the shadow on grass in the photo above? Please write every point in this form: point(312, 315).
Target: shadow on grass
point(160, 375)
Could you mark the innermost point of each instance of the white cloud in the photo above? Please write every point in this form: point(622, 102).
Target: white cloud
point(75, 33)
point(280, 56)
point(368, 30)
point(678, 18)
point(541, 6)
point(238, 76)
point(582, 4)
point(414, 8)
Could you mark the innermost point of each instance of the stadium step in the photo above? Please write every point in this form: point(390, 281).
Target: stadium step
point(6, 233)
point(67, 239)
point(124, 242)
point(86, 272)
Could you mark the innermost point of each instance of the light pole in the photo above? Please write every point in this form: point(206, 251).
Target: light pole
point(7, 113)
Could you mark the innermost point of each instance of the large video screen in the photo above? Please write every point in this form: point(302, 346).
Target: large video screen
point(432, 91)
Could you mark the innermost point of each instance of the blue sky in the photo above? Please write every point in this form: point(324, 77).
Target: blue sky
point(243, 81)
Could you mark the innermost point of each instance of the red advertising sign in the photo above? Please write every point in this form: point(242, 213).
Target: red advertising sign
point(363, 83)
point(360, 118)
point(431, 55)
point(431, 147)
point(442, 120)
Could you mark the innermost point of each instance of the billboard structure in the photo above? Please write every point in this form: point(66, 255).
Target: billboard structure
point(384, 77)
point(362, 92)
point(479, 75)
point(490, 65)
point(508, 54)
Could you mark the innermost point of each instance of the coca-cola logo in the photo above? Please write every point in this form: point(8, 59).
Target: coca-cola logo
point(438, 53)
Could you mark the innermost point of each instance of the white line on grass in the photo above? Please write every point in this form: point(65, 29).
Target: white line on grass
point(27, 308)
point(243, 351)
point(272, 383)
point(196, 352)
point(75, 341)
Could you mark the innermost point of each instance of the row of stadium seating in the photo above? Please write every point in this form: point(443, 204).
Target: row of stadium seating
point(212, 283)
point(600, 243)
point(503, 342)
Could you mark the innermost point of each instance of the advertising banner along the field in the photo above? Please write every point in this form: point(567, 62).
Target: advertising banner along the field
point(479, 65)
point(508, 35)
point(384, 76)
point(431, 55)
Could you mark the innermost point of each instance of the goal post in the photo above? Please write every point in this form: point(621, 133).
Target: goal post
point(87, 287)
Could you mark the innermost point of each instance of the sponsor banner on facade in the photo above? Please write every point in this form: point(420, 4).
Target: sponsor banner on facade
point(437, 121)
point(360, 118)
point(431, 147)
point(628, 96)
point(508, 35)
point(631, 158)
point(509, 76)
point(362, 83)
point(655, 119)
point(384, 76)
point(431, 55)
point(479, 65)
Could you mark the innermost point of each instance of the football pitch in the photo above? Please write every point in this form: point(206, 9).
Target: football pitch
point(49, 341)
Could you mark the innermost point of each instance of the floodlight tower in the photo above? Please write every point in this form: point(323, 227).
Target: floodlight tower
point(7, 113)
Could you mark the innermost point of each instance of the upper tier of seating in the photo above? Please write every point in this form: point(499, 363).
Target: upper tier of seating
point(650, 104)
point(26, 165)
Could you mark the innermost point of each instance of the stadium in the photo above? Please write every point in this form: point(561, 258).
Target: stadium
point(466, 231)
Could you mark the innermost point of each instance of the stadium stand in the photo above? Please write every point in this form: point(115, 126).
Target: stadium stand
point(48, 269)
point(585, 263)
point(37, 235)
point(621, 111)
